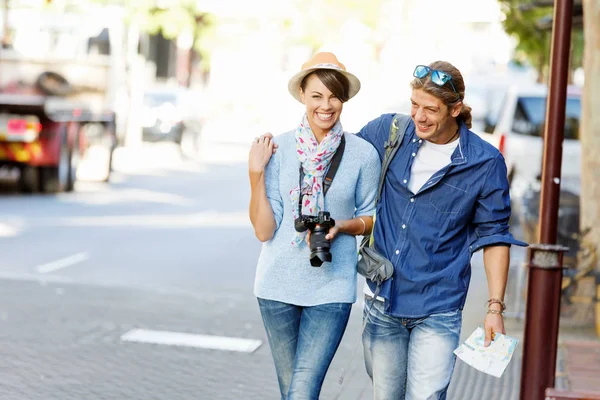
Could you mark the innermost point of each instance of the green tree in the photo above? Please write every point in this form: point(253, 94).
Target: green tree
point(530, 25)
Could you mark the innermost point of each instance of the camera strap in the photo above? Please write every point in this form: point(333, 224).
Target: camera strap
point(333, 167)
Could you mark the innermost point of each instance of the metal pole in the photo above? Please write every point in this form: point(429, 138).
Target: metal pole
point(545, 275)
point(541, 320)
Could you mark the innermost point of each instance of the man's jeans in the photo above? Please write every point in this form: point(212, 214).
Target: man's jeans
point(303, 341)
point(410, 358)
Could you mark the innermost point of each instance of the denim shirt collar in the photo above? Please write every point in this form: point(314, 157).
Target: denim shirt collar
point(460, 154)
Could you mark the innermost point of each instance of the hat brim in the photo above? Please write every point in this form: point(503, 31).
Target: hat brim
point(296, 80)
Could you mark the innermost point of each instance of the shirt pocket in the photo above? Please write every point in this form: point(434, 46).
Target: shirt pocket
point(447, 198)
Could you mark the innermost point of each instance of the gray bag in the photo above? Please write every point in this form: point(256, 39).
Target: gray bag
point(371, 263)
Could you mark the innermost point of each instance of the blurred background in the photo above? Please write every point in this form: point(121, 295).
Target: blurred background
point(126, 255)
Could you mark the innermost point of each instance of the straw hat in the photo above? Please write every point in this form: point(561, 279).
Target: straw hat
point(322, 61)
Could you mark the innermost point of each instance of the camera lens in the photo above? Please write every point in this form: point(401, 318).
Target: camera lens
point(319, 246)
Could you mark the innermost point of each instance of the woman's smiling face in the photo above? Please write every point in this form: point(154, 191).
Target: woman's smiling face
point(323, 108)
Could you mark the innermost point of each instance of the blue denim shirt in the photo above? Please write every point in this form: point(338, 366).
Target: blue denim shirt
point(430, 236)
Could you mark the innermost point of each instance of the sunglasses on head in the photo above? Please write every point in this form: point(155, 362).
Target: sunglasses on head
point(438, 77)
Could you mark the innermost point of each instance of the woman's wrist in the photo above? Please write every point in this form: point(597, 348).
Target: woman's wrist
point(364, 227)
point(356, 226)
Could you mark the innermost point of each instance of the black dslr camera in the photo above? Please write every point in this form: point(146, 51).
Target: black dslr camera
point(319, 227)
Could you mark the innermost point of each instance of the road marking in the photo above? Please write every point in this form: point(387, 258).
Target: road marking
point(191, 340)
point(62, 263)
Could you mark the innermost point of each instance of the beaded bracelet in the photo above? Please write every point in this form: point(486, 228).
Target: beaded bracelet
point(495, 312)
point(496, 301)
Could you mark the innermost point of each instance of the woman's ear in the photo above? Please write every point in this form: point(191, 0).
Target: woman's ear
point(302, 95)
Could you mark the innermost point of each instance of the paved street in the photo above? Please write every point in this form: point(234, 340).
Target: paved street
point(165, 246)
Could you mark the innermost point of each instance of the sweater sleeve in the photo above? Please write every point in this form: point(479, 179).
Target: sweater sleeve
point(272, 187)
point(368, 182)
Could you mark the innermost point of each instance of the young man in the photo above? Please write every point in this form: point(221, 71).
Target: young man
point(446, 195)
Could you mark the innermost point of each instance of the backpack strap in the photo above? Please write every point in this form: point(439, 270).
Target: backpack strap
point(399, 125)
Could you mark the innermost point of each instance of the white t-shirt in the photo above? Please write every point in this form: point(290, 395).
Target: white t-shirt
point(429, 159)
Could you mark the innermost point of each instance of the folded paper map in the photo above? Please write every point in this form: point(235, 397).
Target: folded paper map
point(493, 359)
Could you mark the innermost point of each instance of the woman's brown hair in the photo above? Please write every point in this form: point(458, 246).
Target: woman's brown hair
point(336, 82)
point(446, 93)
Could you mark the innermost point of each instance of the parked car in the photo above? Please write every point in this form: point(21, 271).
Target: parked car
point(517, 130)
point(162, 118)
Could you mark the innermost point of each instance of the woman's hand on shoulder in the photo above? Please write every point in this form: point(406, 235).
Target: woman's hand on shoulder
point(260, 153)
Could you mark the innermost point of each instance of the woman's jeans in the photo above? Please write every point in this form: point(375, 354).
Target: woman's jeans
point(410, 358)
point(303, 341)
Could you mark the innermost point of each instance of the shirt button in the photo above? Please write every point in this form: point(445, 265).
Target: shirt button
point(412, 200)
point(421, 141)
point(403, 226)
point(405, 181)
point(397, 251)
point(414, 140)
point(414, 154)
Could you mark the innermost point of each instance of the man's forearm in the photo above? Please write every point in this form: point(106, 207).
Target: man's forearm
point(496, 261)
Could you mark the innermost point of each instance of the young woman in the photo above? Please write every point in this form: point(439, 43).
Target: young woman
point(305, 308)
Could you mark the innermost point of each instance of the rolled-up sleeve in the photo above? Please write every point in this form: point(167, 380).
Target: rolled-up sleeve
point(492, 210)
point(272, 187)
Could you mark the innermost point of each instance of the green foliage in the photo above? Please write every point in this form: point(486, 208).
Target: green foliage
point(525, 23)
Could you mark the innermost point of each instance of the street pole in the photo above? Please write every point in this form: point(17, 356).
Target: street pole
point(545, 260)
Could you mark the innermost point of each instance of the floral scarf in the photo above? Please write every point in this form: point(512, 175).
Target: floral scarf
point(315, 159)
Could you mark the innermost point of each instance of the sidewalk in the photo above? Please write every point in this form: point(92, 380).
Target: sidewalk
point(574, 363)
point(467, 383)
point(579, 369)
point(578, 356)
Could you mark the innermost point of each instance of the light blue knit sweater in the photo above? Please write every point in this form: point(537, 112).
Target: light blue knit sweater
point(284, 272)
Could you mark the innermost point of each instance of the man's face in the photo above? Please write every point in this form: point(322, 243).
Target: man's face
point(323, 108)
point(434, 121)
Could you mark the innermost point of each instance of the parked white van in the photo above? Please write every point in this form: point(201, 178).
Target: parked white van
point(516, 128)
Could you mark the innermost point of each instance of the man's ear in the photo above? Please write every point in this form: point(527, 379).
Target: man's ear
point(456, 109)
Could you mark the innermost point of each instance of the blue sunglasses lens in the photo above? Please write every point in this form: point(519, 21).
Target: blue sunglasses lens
point(440, 78)
point(421, 71)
